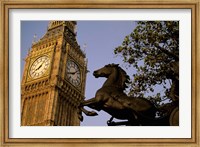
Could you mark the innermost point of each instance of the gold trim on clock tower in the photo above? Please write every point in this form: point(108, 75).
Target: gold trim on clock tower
point(53, 83)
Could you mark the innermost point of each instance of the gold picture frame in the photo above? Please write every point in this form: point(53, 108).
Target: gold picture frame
point(128, 4)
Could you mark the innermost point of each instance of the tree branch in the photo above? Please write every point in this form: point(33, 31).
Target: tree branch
point(167, 52)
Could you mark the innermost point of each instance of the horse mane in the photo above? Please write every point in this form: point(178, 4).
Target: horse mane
point(123, 77)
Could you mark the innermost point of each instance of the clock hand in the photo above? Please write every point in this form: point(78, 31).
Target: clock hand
point(39, 67)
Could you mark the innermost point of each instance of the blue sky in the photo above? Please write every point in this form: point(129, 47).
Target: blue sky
point(100, 37)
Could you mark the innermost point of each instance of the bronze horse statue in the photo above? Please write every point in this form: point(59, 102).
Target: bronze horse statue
point(112, 99)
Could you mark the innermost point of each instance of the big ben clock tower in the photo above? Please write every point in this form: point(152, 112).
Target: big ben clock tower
point(53, 82)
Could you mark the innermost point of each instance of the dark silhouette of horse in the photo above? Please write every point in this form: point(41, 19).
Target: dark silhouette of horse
point(112, 99)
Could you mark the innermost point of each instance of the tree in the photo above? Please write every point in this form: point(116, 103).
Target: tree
point(153, 50)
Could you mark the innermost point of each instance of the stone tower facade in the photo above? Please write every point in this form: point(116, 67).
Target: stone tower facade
point(53, 82)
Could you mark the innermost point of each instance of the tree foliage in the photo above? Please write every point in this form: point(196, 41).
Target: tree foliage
point(153, 50)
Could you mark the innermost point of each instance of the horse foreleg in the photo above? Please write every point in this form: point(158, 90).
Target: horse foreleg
point(92, 103)
point(88, 113)
point(88, 102)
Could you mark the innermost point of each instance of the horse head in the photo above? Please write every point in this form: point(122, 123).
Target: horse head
point(104, 71)
point(119, 76)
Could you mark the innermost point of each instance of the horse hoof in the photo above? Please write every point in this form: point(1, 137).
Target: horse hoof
point(80, 118)
point(92, 113)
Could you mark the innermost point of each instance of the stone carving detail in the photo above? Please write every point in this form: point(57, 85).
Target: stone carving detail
point(34, 109)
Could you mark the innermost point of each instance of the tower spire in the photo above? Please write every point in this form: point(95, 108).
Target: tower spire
point(34, 39)
point(84, 48)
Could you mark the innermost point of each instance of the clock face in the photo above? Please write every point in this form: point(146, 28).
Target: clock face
point(39, 67)
point(73, 73)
